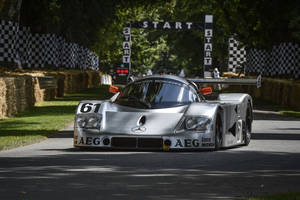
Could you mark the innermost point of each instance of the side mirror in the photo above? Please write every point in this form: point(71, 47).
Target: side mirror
point(113, 89)
point(206, 91)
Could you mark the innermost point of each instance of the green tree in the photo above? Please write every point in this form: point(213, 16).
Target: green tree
point(262, 23)
point(98, 25)
point(10, 10)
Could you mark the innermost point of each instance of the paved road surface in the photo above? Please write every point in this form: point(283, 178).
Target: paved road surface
point(53, 169)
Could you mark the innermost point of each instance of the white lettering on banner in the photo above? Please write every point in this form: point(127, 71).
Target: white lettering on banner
point(208, 40)
point(189, 25)
point(126, 30)
point(126, 59)
point(127, 38)
point(155, 24)
point(166, 25)
point(126, 45)
point(145, 24)
point(208, 35)
point(207, 61)
point(126, 52)
point(178, 25)
point(208, 32)
point(208, 47)
point(207, 54)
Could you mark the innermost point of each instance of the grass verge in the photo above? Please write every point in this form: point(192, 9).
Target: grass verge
point(287, 196)
point(259, 104)
point(290, 113)
point(44, 120)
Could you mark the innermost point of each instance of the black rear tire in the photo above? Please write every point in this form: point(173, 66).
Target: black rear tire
point(218, 132)
point(248, 125)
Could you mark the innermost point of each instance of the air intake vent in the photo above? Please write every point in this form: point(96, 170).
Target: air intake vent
point(142, 121)
point(141, 143)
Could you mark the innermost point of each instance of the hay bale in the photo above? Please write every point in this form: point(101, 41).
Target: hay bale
point(79, 81)
point(232, 75)
point(16, 95)
point(38, 93)
point(90, 79)
point(97, 79)
point(60, 90)
point(3, 104)
point(19, 90)
point(29, 92)
point(49, 94)
point(281, 92)
point(11, 100)
point(19, 95)
point(94, 78)
point(68, 83)
point(75, 82)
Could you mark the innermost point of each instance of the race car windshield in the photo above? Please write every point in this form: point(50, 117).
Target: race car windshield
point(156, 94)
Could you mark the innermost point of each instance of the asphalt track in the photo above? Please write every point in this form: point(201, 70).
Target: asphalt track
point(53, 169)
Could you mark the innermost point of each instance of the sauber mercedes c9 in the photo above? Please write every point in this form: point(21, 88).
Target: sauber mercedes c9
point(166, 112)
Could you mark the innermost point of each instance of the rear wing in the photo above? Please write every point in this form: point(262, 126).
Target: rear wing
point(230, 81)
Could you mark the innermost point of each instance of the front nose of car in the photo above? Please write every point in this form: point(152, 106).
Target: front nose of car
point(139, 123)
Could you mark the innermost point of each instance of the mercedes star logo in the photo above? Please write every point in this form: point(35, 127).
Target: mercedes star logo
point(138, 129)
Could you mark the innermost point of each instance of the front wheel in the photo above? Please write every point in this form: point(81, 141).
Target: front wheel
point(218, 132)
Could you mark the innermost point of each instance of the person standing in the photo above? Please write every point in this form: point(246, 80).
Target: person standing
point(113, 76)
point(181, 74)
point(216, 73)
point(149, 73)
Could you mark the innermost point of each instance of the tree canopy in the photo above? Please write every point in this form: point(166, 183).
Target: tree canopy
point(98, 26)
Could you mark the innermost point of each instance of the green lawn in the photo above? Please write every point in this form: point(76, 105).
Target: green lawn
point(288, 196)
point(265, 105)
point(290, 113)
point(45, 119)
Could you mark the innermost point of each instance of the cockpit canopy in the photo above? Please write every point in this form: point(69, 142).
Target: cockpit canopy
point(157, 93)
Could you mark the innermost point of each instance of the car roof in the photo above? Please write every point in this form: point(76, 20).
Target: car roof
point(170, 78)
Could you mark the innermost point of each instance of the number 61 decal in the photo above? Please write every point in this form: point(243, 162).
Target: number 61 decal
point(89, 107)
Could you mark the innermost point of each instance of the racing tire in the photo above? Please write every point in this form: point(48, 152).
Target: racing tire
point(218, 132)
point(248, 126)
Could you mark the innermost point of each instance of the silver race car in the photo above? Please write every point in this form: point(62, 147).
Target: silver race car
point(166, 112)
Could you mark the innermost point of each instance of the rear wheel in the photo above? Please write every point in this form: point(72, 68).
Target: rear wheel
point(218, 132)
point(248, 125)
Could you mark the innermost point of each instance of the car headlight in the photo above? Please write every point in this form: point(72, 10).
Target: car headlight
point(81, 122)
point(89, 121)
point(93, 122)
point(197, 123)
